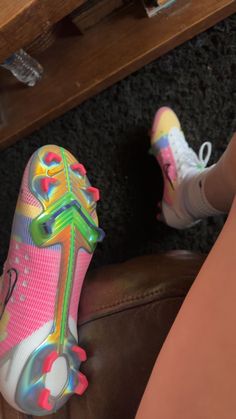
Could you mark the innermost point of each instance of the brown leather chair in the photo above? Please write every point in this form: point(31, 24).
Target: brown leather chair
point(125, 314)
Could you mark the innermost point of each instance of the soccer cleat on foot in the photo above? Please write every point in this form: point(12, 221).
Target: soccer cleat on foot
point(54, 234)
point(178, 161)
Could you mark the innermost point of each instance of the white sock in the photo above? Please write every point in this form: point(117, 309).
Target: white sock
point(194, 197)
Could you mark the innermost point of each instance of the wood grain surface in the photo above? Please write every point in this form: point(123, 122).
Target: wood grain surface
point(21, 21)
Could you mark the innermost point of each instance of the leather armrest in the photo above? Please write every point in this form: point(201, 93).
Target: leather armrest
point(125, 314)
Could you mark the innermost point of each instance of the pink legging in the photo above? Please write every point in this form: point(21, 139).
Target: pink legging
point(195, 373)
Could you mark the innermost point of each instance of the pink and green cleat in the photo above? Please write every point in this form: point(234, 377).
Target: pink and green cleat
point(54, 234)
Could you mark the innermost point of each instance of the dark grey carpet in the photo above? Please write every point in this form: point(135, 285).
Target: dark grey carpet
point(109, 135)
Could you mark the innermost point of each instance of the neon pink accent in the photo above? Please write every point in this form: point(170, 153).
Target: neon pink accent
point(80, 352)
point(46, 182)
point(94, 192)
point(82, 264)
point(78, 167)
point(43, 400)
point(50, 157)
point(48, 362)
point(83, 384)
point(164, 157)
point(38, 268)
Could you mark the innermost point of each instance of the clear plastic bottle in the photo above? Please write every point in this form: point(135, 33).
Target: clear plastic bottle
point(25, 68)
point(154, 6)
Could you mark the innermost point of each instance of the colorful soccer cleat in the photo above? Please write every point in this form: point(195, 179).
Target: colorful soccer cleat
point(54, 234)
point(178, 162)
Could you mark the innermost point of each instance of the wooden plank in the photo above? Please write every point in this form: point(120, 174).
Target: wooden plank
point(21, 21)
point(3, 46)
point(93, 15)
point(78, 67)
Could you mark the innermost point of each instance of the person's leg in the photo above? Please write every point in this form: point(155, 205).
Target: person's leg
point(195, 373)
point(220, 183)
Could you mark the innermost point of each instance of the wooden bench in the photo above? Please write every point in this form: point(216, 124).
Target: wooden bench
point(21, 21)
point(79, 66)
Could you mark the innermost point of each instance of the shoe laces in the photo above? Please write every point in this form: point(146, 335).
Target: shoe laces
point(185, 156)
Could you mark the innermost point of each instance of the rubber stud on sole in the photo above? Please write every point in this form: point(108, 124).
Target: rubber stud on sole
point(82, 385)
point(94, 192)
point(48, 362)
point(80, 352)
point(46, 183)
point(77, 167)
point(52, 157)
point(43, 400)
